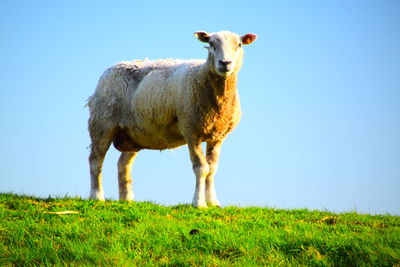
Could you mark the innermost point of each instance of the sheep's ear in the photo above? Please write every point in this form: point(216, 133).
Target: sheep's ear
point(248, 38)
point(202, 36)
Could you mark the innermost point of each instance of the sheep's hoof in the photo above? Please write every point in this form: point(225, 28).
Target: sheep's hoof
point(97, 195)
point(214, 203)
point(126, 197)
point(199, 204)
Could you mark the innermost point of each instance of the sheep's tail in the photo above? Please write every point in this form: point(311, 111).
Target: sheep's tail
point(87, 102)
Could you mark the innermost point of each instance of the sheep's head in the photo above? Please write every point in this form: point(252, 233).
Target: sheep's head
point(225, 50)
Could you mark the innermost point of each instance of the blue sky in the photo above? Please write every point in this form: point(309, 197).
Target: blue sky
point(320, 94)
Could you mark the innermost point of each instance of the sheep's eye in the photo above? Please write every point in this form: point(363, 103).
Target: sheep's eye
point(239, 46)
point(212, 46)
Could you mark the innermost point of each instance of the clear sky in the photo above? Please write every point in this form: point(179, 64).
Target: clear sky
point(320, 95)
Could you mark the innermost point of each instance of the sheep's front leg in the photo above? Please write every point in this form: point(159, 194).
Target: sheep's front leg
point(201, 170)
point(125, 176)
point(213, 150)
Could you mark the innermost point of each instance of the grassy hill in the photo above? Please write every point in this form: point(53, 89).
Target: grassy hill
point(73, 231)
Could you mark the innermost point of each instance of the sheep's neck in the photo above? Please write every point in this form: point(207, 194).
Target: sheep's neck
point(223, 92)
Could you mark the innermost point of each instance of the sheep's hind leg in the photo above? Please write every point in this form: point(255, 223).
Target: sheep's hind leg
point(124, 175)
point(201, 170)
point(99, 149)
point(213, 150)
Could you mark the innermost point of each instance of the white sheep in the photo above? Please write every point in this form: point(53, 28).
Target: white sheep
point(164, 104)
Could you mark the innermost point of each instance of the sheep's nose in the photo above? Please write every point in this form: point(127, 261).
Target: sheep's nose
point(225, 63)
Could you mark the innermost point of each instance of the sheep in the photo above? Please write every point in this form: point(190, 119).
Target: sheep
point(164, 104)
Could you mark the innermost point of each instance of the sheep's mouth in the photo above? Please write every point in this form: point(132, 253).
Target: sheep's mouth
point(224, 71)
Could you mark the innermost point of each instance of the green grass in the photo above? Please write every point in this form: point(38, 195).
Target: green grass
point(121, 233)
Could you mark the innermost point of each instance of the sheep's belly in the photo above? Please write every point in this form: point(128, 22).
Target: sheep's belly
point(161, 142)
point(128, 141)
